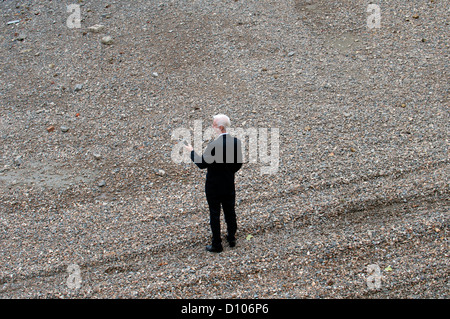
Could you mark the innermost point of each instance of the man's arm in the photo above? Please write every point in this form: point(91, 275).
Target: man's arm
point(239, 160)
point(198, 160)
point(204, 160)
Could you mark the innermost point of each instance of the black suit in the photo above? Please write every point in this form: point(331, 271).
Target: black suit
point(222, 159)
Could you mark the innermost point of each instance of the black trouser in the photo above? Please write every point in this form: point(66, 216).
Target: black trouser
point(227, 202)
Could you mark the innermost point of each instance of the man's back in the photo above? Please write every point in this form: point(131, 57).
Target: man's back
point(222, 158)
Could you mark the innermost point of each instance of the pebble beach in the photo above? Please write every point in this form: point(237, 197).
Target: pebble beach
point(358, 206)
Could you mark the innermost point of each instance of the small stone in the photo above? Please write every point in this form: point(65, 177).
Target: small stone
point(18, 160)
point(155, 74)
point(291, 53)
point(102, 183)
point(97, 156)
point(416, 16)
point(160, 172)
point(20, 37)
point(64, 129)
point(78, 87)
point(5, 168)
point(50, 128)
point(107, 40)
point(96, 28)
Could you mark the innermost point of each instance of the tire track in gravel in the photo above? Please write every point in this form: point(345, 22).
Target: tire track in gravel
point(215, 278)
point(275, 224)
point(395, 174)
point(136, 260)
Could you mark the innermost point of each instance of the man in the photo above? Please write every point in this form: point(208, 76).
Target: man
point(222, 159)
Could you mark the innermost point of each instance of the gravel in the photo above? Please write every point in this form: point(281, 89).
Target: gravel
point(87, 177)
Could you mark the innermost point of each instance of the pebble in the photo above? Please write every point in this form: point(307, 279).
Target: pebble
point(96, 28)
point(107, 40)
point(18, 160)
point(20, 37)
point(160, 172)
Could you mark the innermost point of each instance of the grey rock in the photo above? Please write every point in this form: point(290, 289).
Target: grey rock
point(107, 40)
point(96, 28)
point(20, 37)
point(160, 172)
point(18, 160)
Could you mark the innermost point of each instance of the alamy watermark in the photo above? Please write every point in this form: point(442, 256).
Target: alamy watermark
point(74, 20)
point(254, 143)
point(373, 279)
point(374, 20)
point(74, 278)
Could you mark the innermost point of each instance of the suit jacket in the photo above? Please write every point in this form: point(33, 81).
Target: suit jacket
point(222, 159)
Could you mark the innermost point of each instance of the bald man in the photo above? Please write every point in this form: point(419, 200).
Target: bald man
point(222, 159)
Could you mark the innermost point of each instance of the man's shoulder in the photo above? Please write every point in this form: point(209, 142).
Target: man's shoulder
point(228, 139)
point(228, 136)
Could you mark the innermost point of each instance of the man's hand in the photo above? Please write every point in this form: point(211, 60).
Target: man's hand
point(189, 148)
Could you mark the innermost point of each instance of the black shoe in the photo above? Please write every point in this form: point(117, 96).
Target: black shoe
point(232, 243)
point(214, 249)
